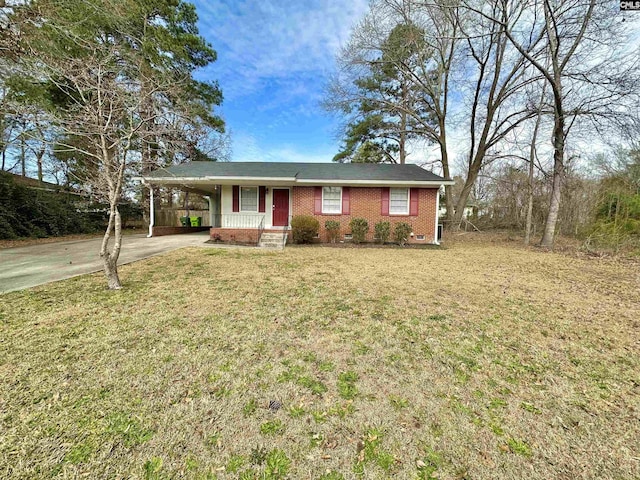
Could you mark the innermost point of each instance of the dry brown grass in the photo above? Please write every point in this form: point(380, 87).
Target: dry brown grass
point(480, 360)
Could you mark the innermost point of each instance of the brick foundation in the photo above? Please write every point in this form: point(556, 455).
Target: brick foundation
point(239, 235)
point(161, 231)
point(366, 203)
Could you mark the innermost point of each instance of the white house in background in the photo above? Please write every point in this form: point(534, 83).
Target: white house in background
point(467, 213)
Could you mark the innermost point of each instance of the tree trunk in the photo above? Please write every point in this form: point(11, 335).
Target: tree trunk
point(472, 176)
point(111, 272)
point(23, 157)
point(110, 257)
point(554, 206)
point(529, 220)
point(401, 144)
point(40, 156)
point(448, 193)
point(403, 126)
point(532, 157)
point(558, 173)
point(170, 197)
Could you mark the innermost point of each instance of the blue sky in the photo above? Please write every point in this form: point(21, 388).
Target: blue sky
point(274, 58)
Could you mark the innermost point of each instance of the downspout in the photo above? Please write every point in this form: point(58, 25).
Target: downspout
point(152, 215)
point(435, 237)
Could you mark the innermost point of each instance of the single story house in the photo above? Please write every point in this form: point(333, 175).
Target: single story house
point(247, 199)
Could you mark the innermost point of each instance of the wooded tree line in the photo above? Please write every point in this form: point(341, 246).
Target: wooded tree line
point(104, 90)
point(600, 204)
point(525, 88)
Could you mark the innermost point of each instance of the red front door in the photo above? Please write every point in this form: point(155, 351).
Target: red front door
point(280, 207)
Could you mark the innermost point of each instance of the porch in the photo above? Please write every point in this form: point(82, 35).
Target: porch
point(238, 214)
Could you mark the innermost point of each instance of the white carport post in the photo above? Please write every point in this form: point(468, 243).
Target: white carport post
point(208, 197)
point(152, 216)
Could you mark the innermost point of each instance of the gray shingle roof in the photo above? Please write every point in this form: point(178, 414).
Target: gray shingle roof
point(299, 171)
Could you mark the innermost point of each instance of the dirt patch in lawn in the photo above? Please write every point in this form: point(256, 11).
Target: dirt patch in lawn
point(481, 360)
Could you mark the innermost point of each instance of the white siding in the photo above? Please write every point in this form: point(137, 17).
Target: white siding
point(231, 219)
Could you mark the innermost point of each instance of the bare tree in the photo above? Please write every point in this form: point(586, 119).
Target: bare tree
point(425, 75)
point(7, 124)
point(586, 64)
point(98, 84)
point(116, 79)
point(498, 77)
point(102, 118)
point(460, 52)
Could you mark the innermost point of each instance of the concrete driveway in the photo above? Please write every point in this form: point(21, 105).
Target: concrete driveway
point(25, 267)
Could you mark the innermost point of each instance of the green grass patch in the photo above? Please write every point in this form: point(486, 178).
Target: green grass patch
point(519, 447)
point(347, 385)
point(272, 427)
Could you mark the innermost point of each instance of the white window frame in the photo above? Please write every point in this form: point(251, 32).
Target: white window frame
point(339, 212)
point(257, 199)
point(408, 201)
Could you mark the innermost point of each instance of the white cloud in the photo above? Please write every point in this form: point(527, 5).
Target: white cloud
point(274, 57)
point(285, 42)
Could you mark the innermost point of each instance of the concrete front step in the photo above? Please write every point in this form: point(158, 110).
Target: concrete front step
point(273, 240)
point(274, 236)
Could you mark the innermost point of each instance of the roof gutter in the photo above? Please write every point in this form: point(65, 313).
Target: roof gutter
point(298, 181)
point(216, 179)
point(416, 183)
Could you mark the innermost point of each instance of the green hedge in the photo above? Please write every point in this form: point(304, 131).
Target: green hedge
point(26, 212)
point(402, 232)
point(359, 228)
point(382, 231)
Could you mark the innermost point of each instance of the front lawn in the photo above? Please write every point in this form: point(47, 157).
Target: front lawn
point(480, 360)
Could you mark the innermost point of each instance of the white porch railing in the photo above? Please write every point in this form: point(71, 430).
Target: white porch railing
point(239, 220)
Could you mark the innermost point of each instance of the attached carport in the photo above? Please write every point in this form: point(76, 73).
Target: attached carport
point(159, 225)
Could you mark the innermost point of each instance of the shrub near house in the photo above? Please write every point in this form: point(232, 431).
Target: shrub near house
point(359, 229)
point(304, 228)
point(402, 233)
point(382, 231)
point(333, 230)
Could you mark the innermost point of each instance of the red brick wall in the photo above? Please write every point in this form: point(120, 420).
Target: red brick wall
point(366, 203)
point(235, 235)
point(239, 235)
